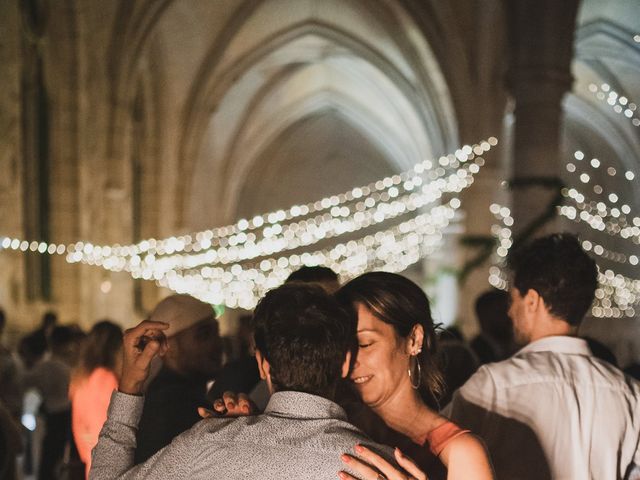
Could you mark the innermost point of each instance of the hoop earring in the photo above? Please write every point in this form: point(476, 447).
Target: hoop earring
point(415, 384)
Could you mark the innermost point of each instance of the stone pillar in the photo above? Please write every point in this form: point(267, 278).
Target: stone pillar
point(542, 34)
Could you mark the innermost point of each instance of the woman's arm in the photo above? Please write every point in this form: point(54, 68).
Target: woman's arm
point(466, 459)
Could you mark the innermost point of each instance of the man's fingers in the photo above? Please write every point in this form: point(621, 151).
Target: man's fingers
point(245, 404)
point(144, 328)
point(230, 400)
point(218, 406)
point(205, 413)
point(408, 465)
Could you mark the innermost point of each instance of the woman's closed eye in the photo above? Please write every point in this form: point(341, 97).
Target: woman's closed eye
point(365, 345)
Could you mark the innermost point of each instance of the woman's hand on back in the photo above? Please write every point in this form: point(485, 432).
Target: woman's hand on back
point(371, 466)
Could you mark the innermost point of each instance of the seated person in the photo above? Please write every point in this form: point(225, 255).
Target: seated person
point(304, 341)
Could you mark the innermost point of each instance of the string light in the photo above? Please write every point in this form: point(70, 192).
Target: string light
point(449, 173)
point(616, 296)
point(599, 217)
point(503, 235)
point(607, 254)
point(619, 103)
point(394, 249)
point(215, 264)
point(607, 215)
point(281, 238)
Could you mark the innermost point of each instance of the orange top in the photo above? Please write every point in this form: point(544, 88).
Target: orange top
point(439, 437)
point(89, 402)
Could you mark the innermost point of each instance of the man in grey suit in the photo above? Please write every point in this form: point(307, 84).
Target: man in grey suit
point(304, 342)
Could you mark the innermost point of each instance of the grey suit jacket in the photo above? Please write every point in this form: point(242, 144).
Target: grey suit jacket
point(298, 436)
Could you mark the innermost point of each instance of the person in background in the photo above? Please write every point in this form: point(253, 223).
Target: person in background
point(553, 410)
point(458, 363)
point(10, 389)
point(241, 374)
point(50, 377)
point(10, 409)
point(179, 389)
point(43, 333)
point(495, 340)
point(92, 382)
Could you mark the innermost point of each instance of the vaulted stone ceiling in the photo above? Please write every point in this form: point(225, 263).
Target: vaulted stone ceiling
point(236, 83)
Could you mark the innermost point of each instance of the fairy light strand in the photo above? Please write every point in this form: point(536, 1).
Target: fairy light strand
point(393, 250)
point(216, 265)
point(619, 103)
point(616, 296)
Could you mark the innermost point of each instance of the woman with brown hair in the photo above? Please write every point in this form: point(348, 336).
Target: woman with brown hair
point(396, 375)
point(92, 383)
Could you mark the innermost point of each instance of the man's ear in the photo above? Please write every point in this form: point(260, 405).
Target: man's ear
point(346, 366)
point(263, 365)
point(265, 370)
point(533, 301)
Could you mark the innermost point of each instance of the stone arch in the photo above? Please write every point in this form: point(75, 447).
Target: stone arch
point(206, 97)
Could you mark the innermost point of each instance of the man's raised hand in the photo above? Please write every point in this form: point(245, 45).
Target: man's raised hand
point(140, 344)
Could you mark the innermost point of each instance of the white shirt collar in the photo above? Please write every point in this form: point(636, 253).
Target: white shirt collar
point(560, 344)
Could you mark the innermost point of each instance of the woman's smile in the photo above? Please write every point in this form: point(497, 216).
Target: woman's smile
point(361, 380)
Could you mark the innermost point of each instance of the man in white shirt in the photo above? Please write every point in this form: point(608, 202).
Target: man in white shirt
point(553, 410)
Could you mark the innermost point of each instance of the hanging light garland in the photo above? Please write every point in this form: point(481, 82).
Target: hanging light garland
point(236, 263)
point(607, 215)
point(619, 103)
point(393, 249)
point(279, 238)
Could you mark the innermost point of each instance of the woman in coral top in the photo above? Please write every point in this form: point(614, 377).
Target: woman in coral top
point(92, 383)
point(396, 377)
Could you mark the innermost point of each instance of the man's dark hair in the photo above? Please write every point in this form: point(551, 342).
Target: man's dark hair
point(305, 334)
point(560, 271)
point(313, 275)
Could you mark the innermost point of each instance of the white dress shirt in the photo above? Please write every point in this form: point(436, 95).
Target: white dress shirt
point(553, 410)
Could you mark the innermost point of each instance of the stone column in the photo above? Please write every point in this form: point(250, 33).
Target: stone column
point(542, 34)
